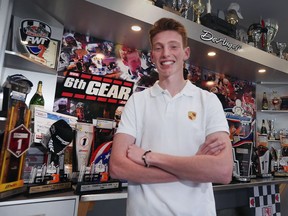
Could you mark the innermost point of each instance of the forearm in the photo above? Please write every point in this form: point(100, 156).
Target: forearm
point(198, 168)
point(212, 163)
point(122, 167)
point(131, 171)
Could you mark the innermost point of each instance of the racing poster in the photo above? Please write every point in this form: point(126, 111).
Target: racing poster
point(95, 76)
point(238, 100)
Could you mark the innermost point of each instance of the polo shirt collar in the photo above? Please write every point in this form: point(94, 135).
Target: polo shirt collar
point(188, 89)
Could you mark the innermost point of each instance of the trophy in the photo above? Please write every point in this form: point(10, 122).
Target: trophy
point(255, 32)
point(198, 9)
point(233, 13)
point(182, 6)
point(275, 100)
point(271, 133)
point(272, 29)
point(185, 7)
point(281, 47)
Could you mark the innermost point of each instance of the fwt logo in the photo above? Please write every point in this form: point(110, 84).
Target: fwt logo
point(35, 36)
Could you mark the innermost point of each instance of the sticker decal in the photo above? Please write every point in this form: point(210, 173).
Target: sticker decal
point(35, 36)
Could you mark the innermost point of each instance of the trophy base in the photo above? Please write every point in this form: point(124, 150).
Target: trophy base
point(11, 185)
point(281, 174)
point(266, 175)
point(13, 192)
point(243, 178)
point(44, 188)
point(82, 188)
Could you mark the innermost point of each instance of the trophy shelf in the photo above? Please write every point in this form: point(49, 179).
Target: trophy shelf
point(274, 111)
point(273, 83)
point(114, 19)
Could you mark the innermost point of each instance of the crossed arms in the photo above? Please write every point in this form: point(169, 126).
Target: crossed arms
point(212, 163)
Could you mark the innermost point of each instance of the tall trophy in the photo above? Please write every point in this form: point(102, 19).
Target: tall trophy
point(272, 29)
point(198, 9)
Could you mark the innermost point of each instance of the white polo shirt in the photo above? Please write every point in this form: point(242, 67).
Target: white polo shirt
point(178, 126)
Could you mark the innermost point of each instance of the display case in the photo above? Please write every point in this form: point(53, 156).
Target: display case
point(278, 112)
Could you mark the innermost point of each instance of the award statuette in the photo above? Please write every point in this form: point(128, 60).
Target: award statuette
point(17, 137)
point(281, 47)
point(52, 177)
point(95, 178)
point(263, 156)
point(198, 9)
point(272, 29)
point(84, 139)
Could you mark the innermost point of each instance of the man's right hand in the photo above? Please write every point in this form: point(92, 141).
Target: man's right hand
point(212, 146)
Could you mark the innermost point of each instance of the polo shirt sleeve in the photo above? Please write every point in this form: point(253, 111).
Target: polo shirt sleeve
point(127, 123)
point(215, 119)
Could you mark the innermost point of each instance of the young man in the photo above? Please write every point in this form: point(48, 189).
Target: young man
point(173, 138)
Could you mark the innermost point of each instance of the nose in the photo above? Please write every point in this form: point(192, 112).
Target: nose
point(166, 51)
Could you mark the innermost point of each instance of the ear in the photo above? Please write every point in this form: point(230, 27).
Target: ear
point(187, 53)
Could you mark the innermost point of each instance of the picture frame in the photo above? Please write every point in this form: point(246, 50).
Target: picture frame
point(51, 54)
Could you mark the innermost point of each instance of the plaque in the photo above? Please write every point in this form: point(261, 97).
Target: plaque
point(42, 188)
point(50, 55)
point(97, 187)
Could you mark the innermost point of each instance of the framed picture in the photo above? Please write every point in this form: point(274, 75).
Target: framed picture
point(51, 54)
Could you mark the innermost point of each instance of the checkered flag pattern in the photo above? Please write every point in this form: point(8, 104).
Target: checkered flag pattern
point(266, 200)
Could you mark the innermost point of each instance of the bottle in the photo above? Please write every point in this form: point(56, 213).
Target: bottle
point(263, 129)
point(37, 100)
point(264, 102)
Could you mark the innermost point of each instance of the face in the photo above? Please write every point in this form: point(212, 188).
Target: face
point(168, 53)
point(133, 61)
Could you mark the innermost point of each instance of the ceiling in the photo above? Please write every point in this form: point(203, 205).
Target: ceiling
point(81, 16)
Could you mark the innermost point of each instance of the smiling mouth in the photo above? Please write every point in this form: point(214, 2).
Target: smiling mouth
point(167, 62)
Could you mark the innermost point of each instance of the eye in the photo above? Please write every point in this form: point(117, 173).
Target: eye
point(157, 48)
point(174, 47)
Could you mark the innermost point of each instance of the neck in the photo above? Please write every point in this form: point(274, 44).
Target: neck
point(173, 86)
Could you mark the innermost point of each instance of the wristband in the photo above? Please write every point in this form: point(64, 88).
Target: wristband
point(144, 158)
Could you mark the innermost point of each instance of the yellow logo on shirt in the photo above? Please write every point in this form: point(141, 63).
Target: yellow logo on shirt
point(192, 115)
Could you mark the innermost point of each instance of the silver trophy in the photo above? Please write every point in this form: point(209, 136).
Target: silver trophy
point(255, 31)
point(281, 47)
point(182, 6)
point(271, 133)
point(198, 9)
point(272, 29)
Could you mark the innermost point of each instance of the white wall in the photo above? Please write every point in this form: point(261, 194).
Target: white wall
point(49, 84)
